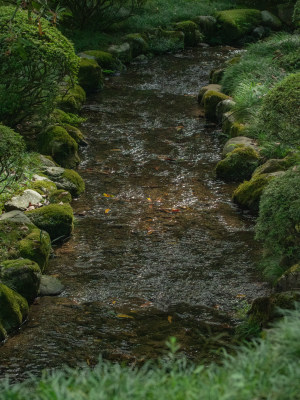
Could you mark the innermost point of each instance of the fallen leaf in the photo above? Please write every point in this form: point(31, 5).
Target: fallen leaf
point(114, 301)
point(170, 318)
point(124, 316)
point(115, 149)
point(179, 128)
point(108, 195)
point(149, 199)
point(175, 210)
point(147, 304)
point(107, 210)
point(240, 296)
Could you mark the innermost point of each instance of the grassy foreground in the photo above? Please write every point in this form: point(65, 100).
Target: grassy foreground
point(267, 369)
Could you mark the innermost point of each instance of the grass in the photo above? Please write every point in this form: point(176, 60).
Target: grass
point(267, 369)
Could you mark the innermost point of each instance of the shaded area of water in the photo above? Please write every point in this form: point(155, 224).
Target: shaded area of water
point(158, 249)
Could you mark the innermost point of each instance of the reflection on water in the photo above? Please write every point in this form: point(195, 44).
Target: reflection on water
point(158, 249)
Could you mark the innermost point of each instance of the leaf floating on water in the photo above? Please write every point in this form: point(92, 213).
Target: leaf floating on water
point(108, 195)
point(124, 316)
point(116, 150)
point(149, 199)
point(179, 128)
point(240, 296)
point(114, 301)
point(107, 210)
point(88, 361)
point(147, 304)
point(170, 318)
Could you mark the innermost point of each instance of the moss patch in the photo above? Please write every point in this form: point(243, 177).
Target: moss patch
point(78, 185)
point(57, 143)
point(190, 30)
point(211, 99)
point(13, 310)
point(72, 99)
point(106, 60)
point(60, 196)
point(43, 187)
point(90, 75)
point(22, 276)
point(36, 246)
point(238, 165)
point(55, 219)
point(137, 43)
point(76, 134)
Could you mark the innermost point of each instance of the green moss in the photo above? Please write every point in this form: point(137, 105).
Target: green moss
point(90, 75)
point(22, 276)
point(137, 43)
point(10, 234)
point(56, 141)
point(55, 219)
point(279, 117)
point(204, 89)
point(43, 187)
point(216, 75)
point(105, 60)
point(189, 28)
point(76, 180)
point(165, 41)
point(13, 310)
point(71, 99)
point(233, 24)
point(61, 116)
point(2, 333)
point(238, 165)
point(237, 129)
point(211, 99)
point(248, 194)
point(36, 246)
point(60, 196)
point(75, 133)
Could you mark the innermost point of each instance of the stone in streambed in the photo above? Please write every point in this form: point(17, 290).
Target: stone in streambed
point(50, 286)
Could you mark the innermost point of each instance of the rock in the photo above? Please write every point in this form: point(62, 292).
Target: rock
point(71, 99)
point(122, 52)
point(248, 193)
point(238, 165)
point(272, 165)
point(216, 75)
point(36, 246)
point(60, 196)
point(223, 107)
point(50, 286)
point(13, 310)
point(259, 32)
point(141, 59)
point(236, 23)
point(204, 89)
point(190, 29)
point(47, 161)
point(90, 75)
point(44, 187)
point(55, 219)
point(290, 280)
point(239, 141)
point(137, 43)
point(22, 276)
point(270, 20)
point(15, 216)
point(211, 99)
point(207, 25)
point(66, 179)
point(107, 61)
point(56, 142)
point(76, 134)
point(36, 177)
point(23, 201)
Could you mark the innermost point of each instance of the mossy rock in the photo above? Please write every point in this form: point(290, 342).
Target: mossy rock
point(62, 117)
point(290, 280)
point(107, 61)
point(123, 52)
point(71, 99)
point(55, 219)
point(137, 43)
point(238, 165)
point(76, 134)
point(60, 196)
point(279, 116)
point(207, 25)
point(22, 276)
point(43, 187)
point(13, 310)
point(90, 75)
point(272, 165)
point(36, 246)
point(66, 179)
point(237, 129)
point(216, 75)
point(204, 89)
point(234, 24)
point(189, 28)
point(211, 99)
point(57, 143)
point(162, 41)
point(239, 141)
point(224, 107)
point(248, 193)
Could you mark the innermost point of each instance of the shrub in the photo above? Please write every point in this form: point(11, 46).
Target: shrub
point(34, 59)
point(278, 224)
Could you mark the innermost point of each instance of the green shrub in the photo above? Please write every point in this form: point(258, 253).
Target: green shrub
point(278, 224)
point(32, 65)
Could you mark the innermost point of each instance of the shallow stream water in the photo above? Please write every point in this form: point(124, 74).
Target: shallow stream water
point(158, 249)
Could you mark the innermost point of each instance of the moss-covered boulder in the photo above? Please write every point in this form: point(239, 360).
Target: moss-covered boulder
point(248, 193)
point(223, 107)
point(191, 32)
point(279, 117)
point(71, 99)
point(216, 75)
point(238, 165)
point(66, 179)
point(55, 219)
point(60, 196)
point(241, 141)
point(123, 52)
point(234, 24)
point(107, 61)
point(76, 134)
point(204, 89)
point(160, 41)
point(207, 25)
point(272, 165)
point(13, 309)
point(36, 246)
point(22, 276)
point(211, 99)
point(290, 280)
point(44, 187)
point(61, 117)
point(90, 75)
point(56, 142)
point(137, 43)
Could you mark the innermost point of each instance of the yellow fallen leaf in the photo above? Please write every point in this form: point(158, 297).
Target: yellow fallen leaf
point(107, 210)
point(149, 199)
point(114, 301)
point(124, 316)
point(115, 149)
point(108, 195)
point(179, 128)
point(170, 318)
point(240, 296)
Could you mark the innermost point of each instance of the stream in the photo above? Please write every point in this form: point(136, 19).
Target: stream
point(158, 249)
